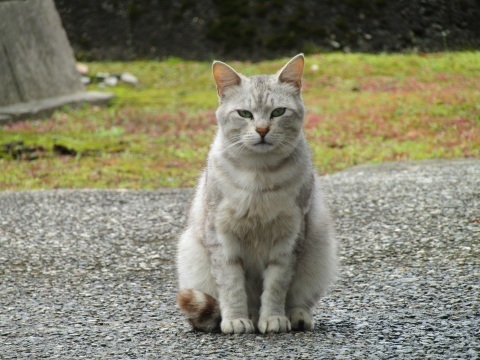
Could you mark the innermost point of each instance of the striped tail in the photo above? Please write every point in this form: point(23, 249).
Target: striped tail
point(201, 310)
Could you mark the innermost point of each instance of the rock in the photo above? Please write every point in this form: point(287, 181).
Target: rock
point(101, 76)
point(82, 68)
point(129, 78)
point(335, 44)
point(85, 80)
point(111, 81)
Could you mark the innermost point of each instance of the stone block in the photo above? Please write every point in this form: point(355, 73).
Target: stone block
point(37, 64)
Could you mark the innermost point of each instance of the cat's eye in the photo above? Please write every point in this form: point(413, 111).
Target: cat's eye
point(245, 114)
point(278, 112)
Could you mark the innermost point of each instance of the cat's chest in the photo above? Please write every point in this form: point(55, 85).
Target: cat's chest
point(257, 194)
point(257, 205)
point(259, 216)
point(267, 204)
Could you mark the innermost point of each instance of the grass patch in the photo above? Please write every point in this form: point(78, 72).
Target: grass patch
point(361, 109)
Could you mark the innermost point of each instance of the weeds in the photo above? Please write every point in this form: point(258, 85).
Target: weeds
point(361, 109)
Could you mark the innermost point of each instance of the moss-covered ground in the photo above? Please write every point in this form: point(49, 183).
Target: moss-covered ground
point(361, 109)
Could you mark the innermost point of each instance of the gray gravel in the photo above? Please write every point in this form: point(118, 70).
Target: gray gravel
point(91, 274)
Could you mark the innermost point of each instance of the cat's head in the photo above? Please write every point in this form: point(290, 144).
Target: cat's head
point(260, 114)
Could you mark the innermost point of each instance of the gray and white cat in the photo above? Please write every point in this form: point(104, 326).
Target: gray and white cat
point(259, 249)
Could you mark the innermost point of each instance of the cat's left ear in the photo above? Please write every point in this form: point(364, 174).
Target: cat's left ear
point(292, 72)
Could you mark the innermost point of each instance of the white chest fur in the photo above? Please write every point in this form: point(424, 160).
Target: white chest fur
point(258, 209)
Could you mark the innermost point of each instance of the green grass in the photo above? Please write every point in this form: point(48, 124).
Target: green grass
point(361, 109)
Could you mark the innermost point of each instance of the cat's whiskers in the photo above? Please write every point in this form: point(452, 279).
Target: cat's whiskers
point(290, 145)
point(237, 145)
point(293, 150)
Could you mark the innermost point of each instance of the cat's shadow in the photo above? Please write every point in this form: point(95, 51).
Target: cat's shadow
point(323, 328)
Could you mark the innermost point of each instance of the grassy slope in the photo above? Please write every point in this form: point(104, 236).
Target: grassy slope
point(361, 108)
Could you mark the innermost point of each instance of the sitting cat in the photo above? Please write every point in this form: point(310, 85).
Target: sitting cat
point(259, 249)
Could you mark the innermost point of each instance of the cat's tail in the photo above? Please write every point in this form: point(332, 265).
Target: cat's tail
point(201, 310)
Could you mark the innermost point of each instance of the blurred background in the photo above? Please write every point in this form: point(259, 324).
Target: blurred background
point(254, 30)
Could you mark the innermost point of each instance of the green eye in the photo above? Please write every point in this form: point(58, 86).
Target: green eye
point(278, 112)
point(245, 114)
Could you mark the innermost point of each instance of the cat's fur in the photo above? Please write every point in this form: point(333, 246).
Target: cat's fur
point(259, 249)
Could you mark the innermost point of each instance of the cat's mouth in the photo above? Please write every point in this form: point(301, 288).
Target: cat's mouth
point(263, 142)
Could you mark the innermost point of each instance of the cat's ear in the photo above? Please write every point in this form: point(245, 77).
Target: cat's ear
point(292, 72)
point(225, 77)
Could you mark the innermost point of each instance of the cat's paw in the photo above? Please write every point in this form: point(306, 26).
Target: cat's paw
point(301, 319)
point(274, 324)
point(237, 326)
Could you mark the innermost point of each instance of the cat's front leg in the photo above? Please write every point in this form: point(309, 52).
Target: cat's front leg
point(277, 278)
point(228, 271)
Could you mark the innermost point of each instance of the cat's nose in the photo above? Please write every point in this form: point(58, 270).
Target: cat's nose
point(263, 131)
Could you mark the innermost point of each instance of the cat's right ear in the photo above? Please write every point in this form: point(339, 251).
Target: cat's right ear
point(292, 72)
point(225, 77)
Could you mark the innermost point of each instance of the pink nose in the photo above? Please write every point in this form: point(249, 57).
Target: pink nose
point(262, 131)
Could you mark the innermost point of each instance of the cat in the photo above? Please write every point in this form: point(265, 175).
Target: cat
point(259, 248)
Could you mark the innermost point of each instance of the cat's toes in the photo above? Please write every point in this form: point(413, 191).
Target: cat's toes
point(237, 326)
point(274, 324)
point(301, 319)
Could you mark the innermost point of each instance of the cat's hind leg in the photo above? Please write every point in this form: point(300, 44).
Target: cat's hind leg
point(300, 318)
point(316, 267)
point(193, 265)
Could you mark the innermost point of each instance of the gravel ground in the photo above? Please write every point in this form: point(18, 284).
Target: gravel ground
point(91, 274)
